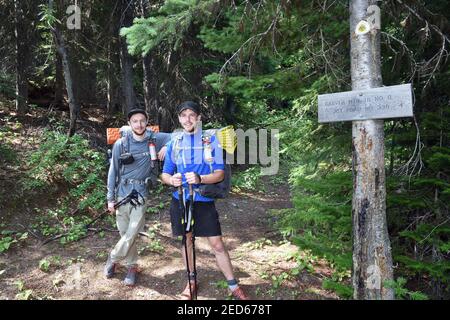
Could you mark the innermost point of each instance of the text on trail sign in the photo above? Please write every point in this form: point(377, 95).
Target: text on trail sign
point(376, 103)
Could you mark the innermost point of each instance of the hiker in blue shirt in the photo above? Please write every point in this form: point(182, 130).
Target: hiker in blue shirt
point(187, 164)
point(132, 169)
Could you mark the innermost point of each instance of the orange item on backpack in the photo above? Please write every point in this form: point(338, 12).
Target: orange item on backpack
point(113, 134)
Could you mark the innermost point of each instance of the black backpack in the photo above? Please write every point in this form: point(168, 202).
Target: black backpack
point(220, 189)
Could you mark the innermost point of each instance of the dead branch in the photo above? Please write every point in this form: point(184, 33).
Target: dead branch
point(429, 68)
point(416, 158)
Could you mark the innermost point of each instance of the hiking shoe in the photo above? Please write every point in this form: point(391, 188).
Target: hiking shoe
point(110, 268)
point(239, 294)
point(186, 294)
point(130, 278)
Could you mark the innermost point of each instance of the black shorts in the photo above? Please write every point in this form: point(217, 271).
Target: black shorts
point(206, 219)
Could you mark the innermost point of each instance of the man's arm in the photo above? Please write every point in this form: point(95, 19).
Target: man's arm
point(162, 140)
point(169, 169)
point(211, 178)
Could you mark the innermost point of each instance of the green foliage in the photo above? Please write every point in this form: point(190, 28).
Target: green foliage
point(258, 244)
point(48, 16)
point(44, 265)
point(7, 134)
point(54, 222)
point(279, 90)
point(228, 38)
point(439, 270)
point(9, 237)
point(342, 290)
point(71, 166)
point(221, 284)
point(305, 261)
point(62, 161)
point(154, 244)
point(321, 220)
point(402, 293)
point(156, 208)
point(169, 25)
point(8, 155)
point(277, 280)
point(247, 180)
point(23, 292)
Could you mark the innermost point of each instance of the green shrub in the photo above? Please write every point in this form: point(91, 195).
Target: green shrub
point(62, 162)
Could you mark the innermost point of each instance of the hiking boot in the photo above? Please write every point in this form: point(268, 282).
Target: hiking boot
point(130, 278)
point(239, 294)
point(110, 268)
point(186, 294)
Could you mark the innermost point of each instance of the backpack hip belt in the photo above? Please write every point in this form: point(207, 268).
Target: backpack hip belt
point(134, 181)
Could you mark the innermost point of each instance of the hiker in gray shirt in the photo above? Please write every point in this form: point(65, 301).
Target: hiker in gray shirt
point(131, 169)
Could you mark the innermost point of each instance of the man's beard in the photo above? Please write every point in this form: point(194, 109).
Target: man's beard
point(192, 129)
point(138, 134)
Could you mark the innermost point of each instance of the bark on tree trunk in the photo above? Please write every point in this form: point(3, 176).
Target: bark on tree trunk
point(59, 80)
point(372, 260)
point(126, 63)
point(150, 79)
point(150, 89)
point(146, 82)
point(112, 85)
point(60, 46)
point(21, 58)
point(112, 68)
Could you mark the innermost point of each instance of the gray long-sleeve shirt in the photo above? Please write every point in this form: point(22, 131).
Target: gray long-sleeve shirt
point(139, 170)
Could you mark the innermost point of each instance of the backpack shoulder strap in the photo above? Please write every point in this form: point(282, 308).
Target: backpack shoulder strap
point(125, 142)
point(207, 134)
point(176, 146)
point(125, 132)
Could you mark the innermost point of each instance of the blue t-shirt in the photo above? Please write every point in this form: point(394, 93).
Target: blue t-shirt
point(185, 153)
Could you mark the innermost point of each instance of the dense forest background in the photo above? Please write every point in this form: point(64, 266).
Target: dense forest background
point(252, 64)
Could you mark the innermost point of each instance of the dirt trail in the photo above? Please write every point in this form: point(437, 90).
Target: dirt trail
point(254, 247)
point(75, 271)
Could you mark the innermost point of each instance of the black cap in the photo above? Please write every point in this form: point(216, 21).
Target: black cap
point(188, 105)
point(135, 111)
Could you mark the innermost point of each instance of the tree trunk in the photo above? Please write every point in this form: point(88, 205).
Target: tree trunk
point(149, 82)
point(372, 260)
point(73, 104)
point(111, 82)
point(22, 59)
point(59, 80)
point(126, 62)
point(112, 85)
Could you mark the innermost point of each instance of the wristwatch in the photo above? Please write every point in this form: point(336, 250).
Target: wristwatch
point(199, 177)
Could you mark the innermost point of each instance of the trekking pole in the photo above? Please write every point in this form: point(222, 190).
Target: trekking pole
point(132, 197)
point(184, 226)
point(191, 214)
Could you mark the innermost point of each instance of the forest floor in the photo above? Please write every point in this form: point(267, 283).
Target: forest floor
point(262, 260)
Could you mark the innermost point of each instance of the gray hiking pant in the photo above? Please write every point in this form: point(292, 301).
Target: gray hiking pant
point(130, 221)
